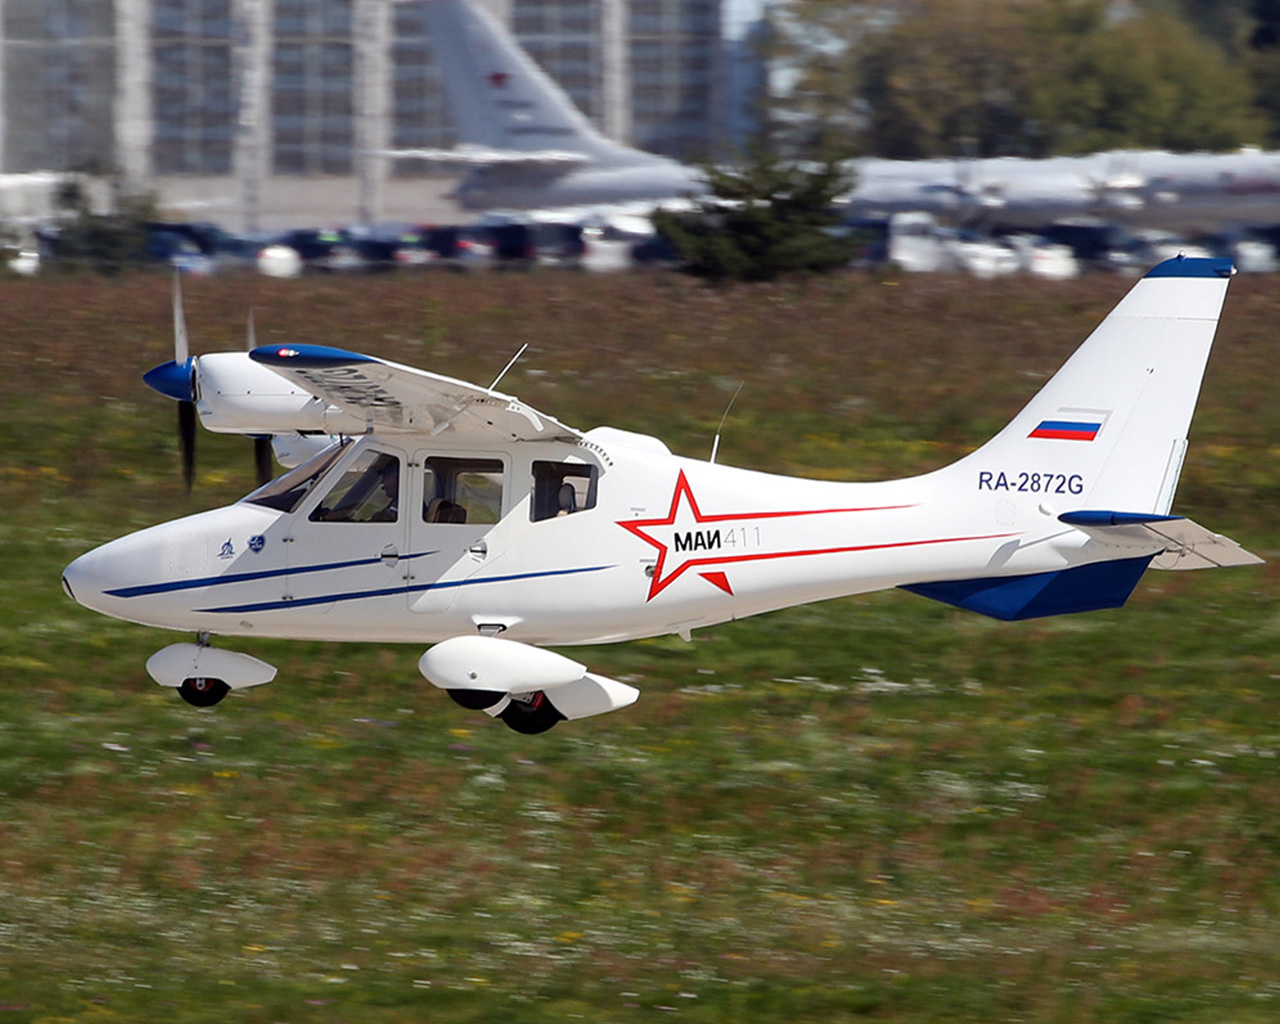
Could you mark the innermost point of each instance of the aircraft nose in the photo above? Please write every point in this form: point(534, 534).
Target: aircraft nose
point(84, 580)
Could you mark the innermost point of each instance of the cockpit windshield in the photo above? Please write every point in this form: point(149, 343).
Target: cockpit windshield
point(286, 492)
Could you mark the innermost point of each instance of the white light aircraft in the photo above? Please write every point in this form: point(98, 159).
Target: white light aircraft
point(526, 146)
point(456, 515)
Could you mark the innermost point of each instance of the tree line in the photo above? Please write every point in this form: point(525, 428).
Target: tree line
point(1033, 78)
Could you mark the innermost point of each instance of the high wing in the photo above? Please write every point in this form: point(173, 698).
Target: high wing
point(393, 398)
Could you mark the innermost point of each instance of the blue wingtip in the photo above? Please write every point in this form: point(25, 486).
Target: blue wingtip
point(306, 356)
point(1193, 266)
point(171, 379)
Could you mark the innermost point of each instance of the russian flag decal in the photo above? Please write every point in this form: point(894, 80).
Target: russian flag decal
point(1067, 430)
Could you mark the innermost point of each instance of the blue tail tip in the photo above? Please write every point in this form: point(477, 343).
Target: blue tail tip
point(1193, 266)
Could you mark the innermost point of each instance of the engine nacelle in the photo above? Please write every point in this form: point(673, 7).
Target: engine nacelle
point(179, 662)
point(488, 673)
point(235, 395)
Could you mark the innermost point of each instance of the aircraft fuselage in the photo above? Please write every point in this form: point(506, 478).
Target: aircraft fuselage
point(664, 545)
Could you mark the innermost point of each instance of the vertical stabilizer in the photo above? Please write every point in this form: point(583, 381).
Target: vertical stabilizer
point(1109, 430)
point(501, 99)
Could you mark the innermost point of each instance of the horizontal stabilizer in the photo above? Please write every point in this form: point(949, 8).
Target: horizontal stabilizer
point(1191, 546)
point(488, 156)
point(1187, 545)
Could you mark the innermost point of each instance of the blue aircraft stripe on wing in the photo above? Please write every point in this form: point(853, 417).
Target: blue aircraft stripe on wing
point(1193, 266)
point(173, 586)
point(304, 602)
point(307, 356)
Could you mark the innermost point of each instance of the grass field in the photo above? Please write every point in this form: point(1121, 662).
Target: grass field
point(878, 809)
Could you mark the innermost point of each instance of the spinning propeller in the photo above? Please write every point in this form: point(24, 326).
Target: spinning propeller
point(179, 379)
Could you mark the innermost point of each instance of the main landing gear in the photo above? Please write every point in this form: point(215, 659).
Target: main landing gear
point(531, 714)
point(202, 691)
point(527, 713)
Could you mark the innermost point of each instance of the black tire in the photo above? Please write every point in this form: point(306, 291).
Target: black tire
point(476, 700)
point(203, 692)
point(531, 717)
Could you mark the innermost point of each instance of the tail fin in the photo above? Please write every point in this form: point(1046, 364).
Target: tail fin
point(1100, 448)
point(501, 100)
point(1109, 430)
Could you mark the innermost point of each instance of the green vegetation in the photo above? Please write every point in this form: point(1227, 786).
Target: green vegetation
point(1029, 78)
point(761, 221)
point(106, 243)
point(877, 809)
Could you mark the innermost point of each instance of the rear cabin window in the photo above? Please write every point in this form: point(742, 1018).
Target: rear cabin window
point(462, 491)
point(562, 488)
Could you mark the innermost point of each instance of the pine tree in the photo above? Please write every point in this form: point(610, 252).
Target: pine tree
point(761, 221)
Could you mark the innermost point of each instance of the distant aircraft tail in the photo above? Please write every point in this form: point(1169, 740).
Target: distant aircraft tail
point(503, 103)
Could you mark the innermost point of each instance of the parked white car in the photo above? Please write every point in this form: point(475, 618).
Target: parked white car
point(914, 243)
point(1042, 258)
point(983, 258)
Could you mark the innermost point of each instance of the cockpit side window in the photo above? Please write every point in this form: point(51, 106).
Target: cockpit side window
point(286, 492)
point(462, 490)
point(562, 488)
point(368, 492)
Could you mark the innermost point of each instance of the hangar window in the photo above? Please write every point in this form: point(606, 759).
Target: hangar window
point(462, 491)
point(562, 488)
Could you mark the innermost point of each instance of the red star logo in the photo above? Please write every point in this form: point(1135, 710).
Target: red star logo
point(499, 79)
point(679, 534)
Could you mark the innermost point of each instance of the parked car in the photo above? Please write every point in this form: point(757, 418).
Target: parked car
point(179, 251)
point(909, 241)
point(22, 261)
point(1042, 258)
point(325, 250)
point(1096, 244)
point(982, 257)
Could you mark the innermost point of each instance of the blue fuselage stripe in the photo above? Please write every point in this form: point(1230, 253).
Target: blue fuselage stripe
point(149, 589)
point(419, 588)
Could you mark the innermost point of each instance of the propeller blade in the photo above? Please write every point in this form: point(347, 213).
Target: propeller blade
point(181, 349)
point(187, 440)
point(262, 459)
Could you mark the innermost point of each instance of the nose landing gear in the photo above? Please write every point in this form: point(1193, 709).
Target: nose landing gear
point(203, 675)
